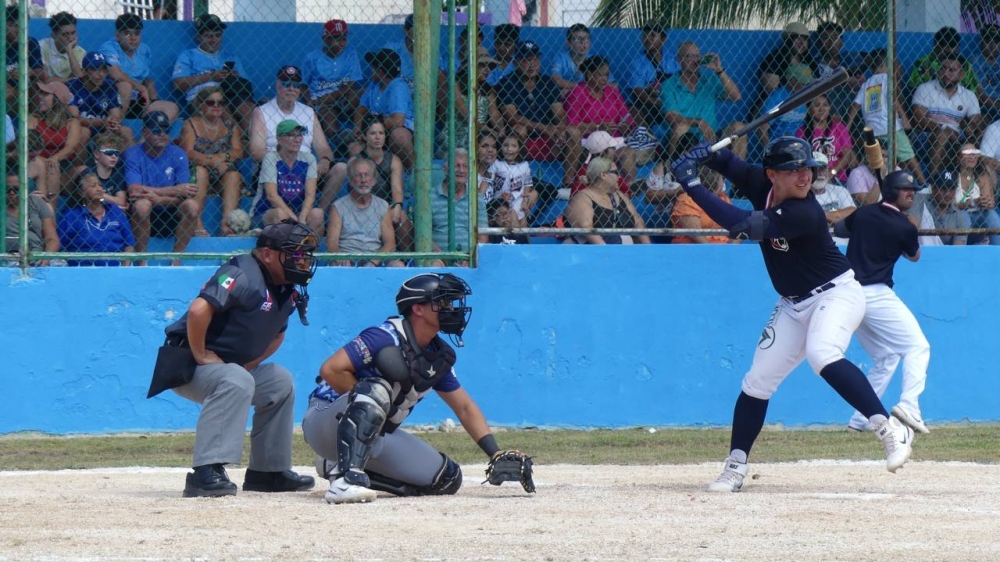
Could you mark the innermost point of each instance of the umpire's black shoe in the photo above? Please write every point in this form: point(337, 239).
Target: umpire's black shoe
point(208, 481)
point(284, 481)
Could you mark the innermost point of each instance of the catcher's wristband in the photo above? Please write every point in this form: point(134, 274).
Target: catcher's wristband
point(488, 444)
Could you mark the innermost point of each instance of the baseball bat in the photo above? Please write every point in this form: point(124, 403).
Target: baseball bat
point(873, 154)
point(802, 97)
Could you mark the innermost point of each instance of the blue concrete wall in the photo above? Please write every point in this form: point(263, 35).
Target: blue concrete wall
point(577, 336)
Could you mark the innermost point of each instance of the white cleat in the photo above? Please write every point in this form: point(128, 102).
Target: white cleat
point(731, 479)
point(897, 441)
point(910, 419)
point(342, 492)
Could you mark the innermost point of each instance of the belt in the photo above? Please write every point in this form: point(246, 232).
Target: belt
point(176, 341)
point(813, 293)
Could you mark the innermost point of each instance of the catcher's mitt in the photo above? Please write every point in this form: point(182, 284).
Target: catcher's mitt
point(510, 466)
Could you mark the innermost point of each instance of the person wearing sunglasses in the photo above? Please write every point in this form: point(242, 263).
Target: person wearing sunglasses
point(109, 169)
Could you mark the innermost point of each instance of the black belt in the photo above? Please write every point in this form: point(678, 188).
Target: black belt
point(813, 293)
point(176, 341)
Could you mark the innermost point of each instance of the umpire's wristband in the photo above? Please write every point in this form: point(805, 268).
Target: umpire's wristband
point(488, 444)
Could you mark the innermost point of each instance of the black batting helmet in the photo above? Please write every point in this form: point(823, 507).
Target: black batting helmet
point(298, 242)
point(789, 153)
point(894, 182)
point(447, 291)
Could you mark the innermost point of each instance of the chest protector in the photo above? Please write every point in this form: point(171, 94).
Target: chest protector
point(426, 367)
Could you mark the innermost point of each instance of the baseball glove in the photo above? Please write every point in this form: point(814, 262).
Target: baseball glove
point(510, 466)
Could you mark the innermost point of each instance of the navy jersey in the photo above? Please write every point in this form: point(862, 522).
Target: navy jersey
point(94, 105)
point(879, 235)
point(805, 257)
point(249, 311)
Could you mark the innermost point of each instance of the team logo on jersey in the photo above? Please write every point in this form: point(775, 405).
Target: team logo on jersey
point(227, 282)
point(362, 349)
point(767, 334)
point(779, 244)
point(268, 302)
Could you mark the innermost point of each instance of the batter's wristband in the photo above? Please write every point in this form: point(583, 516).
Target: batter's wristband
point(488, 444)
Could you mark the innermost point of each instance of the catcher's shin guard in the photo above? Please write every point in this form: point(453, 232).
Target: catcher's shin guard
point(447, 482)
point(360, 425)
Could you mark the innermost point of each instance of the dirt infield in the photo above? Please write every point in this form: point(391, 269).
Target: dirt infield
point(819, 510)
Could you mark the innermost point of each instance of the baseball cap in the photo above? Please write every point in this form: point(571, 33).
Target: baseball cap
point(57, 89)
point(801, 73)
point(156, 121)
point(93, 59)
point(483, 57)
point(944, 180)
point(599, 141)
point(507, 32)
point(821, 159)
point(947, 36)
point(797, 28)
point(128, 21)
point(386, 60)
point(287, 233)
point(290, 73)
point(208, 22)
point(289, 126)
point(335, 27)
point(527, 49)
point(408, 22)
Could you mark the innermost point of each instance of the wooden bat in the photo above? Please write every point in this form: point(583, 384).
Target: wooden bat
point(802, 97)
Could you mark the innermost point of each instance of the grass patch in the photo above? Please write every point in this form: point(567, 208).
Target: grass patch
point(970, 443)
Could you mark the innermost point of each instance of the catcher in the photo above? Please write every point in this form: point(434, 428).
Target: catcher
point(369, 387)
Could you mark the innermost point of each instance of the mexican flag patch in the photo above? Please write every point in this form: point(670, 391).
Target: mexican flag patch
point(227, 282)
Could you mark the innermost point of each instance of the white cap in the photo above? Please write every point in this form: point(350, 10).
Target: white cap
point(821, 158)
point(599, 141)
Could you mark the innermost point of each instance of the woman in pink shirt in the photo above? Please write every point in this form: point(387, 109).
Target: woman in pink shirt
point(595, 105)
point(829, 135)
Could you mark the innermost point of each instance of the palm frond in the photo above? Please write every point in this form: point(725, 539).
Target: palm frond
point(729, 14)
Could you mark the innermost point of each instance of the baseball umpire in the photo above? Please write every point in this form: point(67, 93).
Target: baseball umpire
point(369, 386)
point(879, 235)
point(820, 304)
point(237, 321)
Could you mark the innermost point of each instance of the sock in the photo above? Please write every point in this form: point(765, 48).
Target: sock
point(851, 384)
point(748, 419)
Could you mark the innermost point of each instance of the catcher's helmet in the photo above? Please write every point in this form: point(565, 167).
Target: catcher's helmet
point(789, 153)
point(298, 242)
point(446, 291)
point(894, 182)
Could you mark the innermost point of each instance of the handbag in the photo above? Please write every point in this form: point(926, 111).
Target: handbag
point(174, 367)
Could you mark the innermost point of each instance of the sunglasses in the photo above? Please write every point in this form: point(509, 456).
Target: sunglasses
point(290, 84)
point(110, 152)
point(213, 103)
point(614, 171)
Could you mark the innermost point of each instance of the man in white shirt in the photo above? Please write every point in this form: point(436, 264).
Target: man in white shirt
point(947, 111)
point(833, 197)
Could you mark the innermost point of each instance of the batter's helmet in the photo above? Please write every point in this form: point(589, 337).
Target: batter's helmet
point(446, 290)
point(298, 242)
point(894, 182)
point(789, 153)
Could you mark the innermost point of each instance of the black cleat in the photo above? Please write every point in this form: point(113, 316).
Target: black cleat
point(208, 481)
point(284, 481)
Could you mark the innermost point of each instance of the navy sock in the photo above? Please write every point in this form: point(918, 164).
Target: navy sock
point(851, 384)
point(748, 419)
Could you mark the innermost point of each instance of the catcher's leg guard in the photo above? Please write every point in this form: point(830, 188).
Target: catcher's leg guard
point(447, 482)
point(361, 424)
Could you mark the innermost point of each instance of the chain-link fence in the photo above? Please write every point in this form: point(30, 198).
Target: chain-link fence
point(177, 129)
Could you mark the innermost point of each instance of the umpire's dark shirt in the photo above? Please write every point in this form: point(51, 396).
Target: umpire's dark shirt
point(249, 311)
point(879, 235)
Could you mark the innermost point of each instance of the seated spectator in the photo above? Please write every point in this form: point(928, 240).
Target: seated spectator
point(773, 69)
point(506, 37)
point(947, 111)
point(600, 143)
point(488, 117)
point(58, 65)
point(361, 222)
point(404, 49)
point(940, 203)
point(689, 99)
point(36, 70)
point(601, 206)
point(991, 146)
point(59, 138)
point(595, 105)
point(288, 181)
point(158, 176)
point(487, 147)
point(975, 193)
point(110, 172)
point(388, 98)
point(388, 179)
point(96, 102)
point(565, 69)
point(871, 100)
point(286, 106)
point(441, 218)
point(333, 76)
point(532, 107)
point(862, 184)
point(213, 143)
point(928, 67)
point(130, 65)
point(833, 197)
point(829, 136)
point(42, 235)
point(512, 179)
point(647, 73)
point(211, 65)
point(828, 57)
point(986, 68)
point(797, 76)
point(93, 223)
point(687, 213)
point(500, 215)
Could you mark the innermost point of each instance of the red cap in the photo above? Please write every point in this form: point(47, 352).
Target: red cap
point(335, 27)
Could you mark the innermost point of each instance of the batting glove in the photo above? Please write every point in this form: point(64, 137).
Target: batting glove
point(685, 172)
point(701, 153)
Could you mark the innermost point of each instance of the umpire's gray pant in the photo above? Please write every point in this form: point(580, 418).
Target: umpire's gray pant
point(225, 392)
